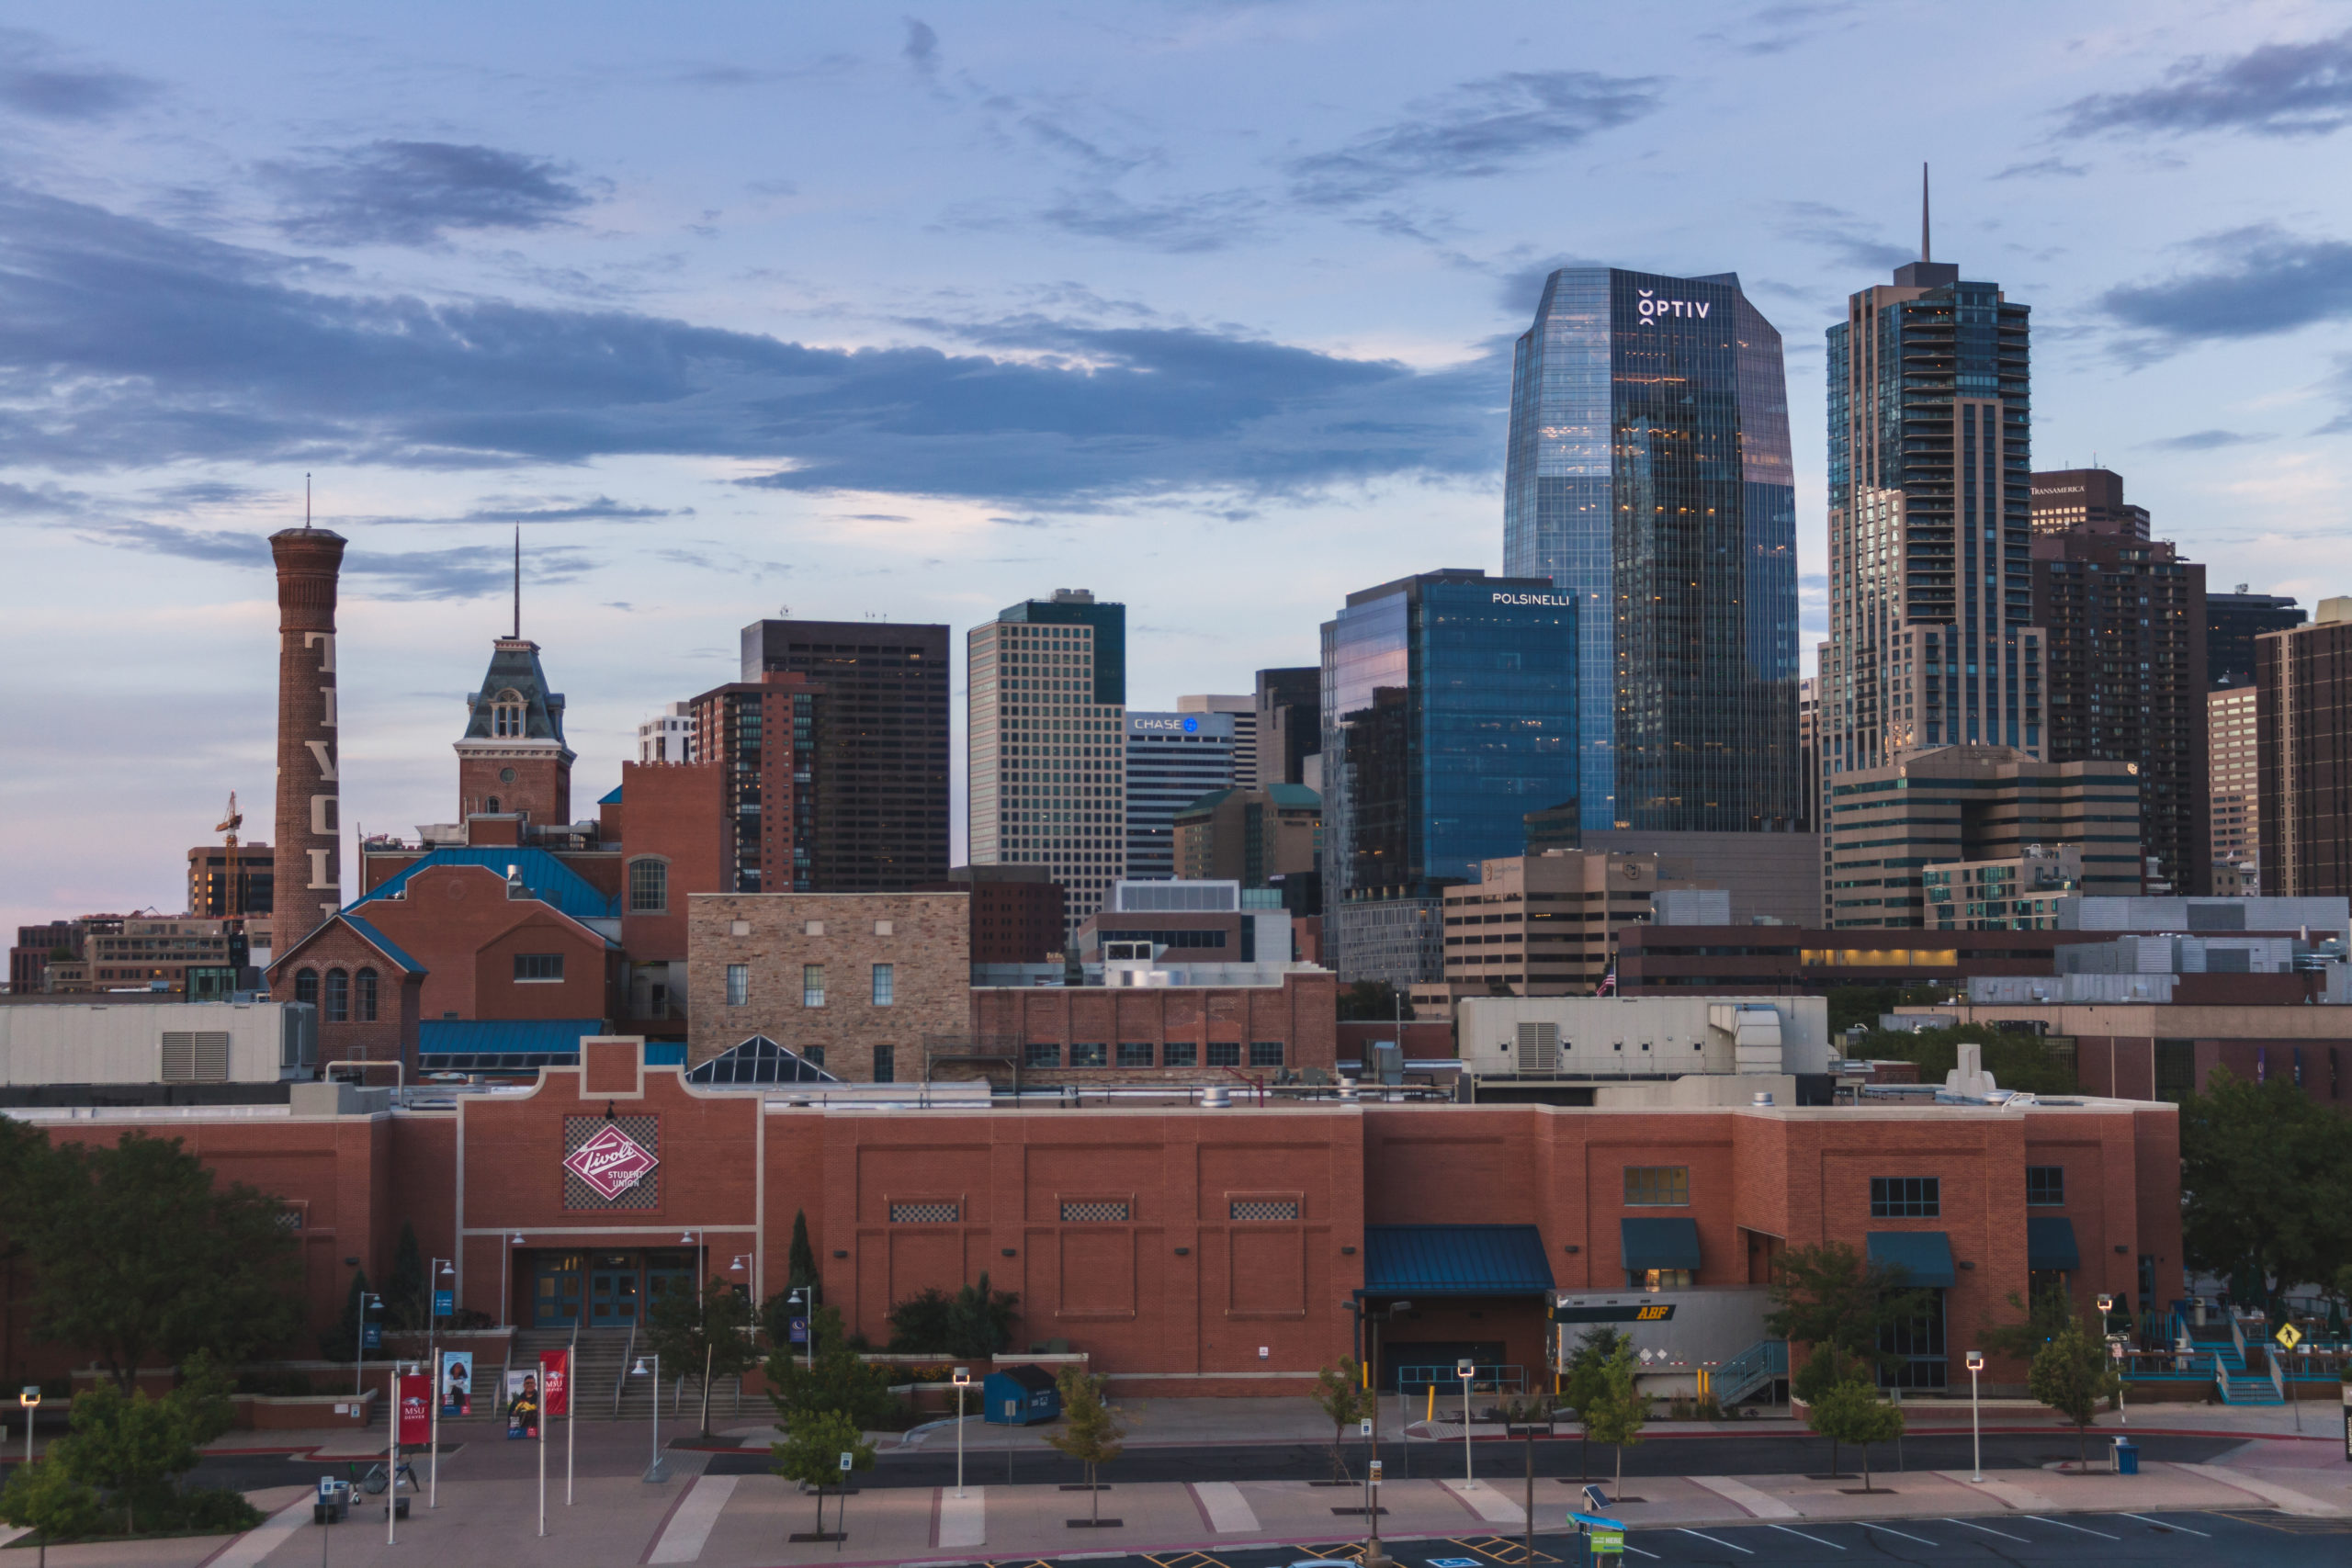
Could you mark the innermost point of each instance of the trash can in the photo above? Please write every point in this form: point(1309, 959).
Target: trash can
point(2127, 1458)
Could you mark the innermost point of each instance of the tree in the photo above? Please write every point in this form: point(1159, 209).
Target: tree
point(1618, 1416)
point(2070, 1374)
point(1090, 1433)
point(710, 1333)
point(1340, 1393)
point(800, 1261)
point(2051, 1310)
point(2266, 1184)
point(1372, 1001)
point(837, 1382)
point(131, 1446)
point(136, 1254)
point(1836, 1301)
point(812, 1454)
point(407, 1304)
point(46, 1498)
point(344, 1339)
point(1851, 1411)
point(976, 1321)
point(1587, 1383)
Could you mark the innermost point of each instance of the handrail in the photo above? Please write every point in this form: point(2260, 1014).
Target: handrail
point(2237, 1333)
point(2278, 1378)
point(621, 1382)
point(1760, 1362)
point(1494, 1377)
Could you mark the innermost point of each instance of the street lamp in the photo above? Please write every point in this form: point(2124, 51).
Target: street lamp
point(1466, 1368)
point(2114, 1352)
point(29, 1401)
point(359, 1351)
point(655, 1469)
point(1976, 1431)
point(963, 1381)
point(439, 1269)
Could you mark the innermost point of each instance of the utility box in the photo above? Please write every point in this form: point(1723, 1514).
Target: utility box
point(1020, 1397)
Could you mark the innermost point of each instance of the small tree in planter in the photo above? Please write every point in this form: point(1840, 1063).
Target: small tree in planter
point(1340, 1394)
point(1851, 1411)
point(812, 1454)
point(1621, 1411)
point(712, 1331)
point(2070, 1374)
point(1090, 1433)
point(1588, 1383)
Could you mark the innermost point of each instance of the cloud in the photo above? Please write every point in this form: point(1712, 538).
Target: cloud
point(124, 343)
point(215, 547)
point(2206, 441)
point(2263, 280)
point(1476, 130)
point(2277, 89)
point(416, 193)
point(1840, 233)
point(1186, 225)
point(603, 509)
point(33, 83)
point(2044, 168)
point(462, 572)
point(921, 48)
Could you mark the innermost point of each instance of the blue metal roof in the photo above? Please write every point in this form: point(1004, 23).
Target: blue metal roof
point(384, 944)
point(493, 1036)
point(612, 799)
point(1925, 1256)
point(1665, 1241)
point(1454, 1260)
point(548, 879)
point(2050, 1243)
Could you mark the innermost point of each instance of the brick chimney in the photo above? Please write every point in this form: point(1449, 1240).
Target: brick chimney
point(308, 875)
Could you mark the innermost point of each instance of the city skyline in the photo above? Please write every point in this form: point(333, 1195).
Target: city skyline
point(1183, 309)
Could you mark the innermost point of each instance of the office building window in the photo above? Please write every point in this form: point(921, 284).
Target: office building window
point(1179, 1053)
point(1135, 1053)
point(883, 983)
point(1907, 1196)
point(1041, 1054)
point(886, 1063)
point(2045, 1185)
point(648, 886)
point(812, 984)
point(1082, 1055)
point(739, 984)
point(306, 987)
point(1660, 1278)
point(1654, 1186)
point(1265, 1053)
point(530, 967)
point(1224, 1053)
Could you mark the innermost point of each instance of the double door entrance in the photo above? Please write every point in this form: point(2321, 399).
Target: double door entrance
point(604, 1290)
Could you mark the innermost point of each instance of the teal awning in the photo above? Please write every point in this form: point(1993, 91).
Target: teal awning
point(1454, 1260)
point(2050, 1243)
point(1925, 1256)
point(1659, 1242)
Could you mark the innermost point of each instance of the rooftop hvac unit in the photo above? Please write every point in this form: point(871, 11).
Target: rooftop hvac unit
point(1539, 1047)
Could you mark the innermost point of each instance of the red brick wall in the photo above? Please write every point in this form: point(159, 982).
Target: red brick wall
point(1302, 1013)
point(672, 811)
point(541, 788)
point(392, 1034)
point(458, 923)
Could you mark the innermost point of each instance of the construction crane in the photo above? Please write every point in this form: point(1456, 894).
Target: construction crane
point(233, 898)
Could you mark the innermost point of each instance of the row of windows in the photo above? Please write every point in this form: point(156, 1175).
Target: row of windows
point(882, 984)
point(1892, 1196)
point(1138, 1054)
point(345, 999)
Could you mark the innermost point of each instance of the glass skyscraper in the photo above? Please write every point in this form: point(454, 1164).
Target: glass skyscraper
point(1449, 718)
point(1648, 476)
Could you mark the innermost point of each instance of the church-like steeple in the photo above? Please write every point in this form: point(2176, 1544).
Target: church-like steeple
point(512, 759)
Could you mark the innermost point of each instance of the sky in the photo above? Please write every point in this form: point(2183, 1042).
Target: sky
point(1206, 307)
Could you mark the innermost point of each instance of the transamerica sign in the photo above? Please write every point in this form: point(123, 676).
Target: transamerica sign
point(611, 1162)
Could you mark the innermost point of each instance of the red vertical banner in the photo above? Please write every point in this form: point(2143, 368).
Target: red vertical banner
point(416, 1408)
point(555, 1382)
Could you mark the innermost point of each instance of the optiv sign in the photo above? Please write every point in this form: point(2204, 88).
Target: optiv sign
point(1652, 309)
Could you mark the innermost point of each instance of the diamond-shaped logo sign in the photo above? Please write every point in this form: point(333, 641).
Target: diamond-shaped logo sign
point(612, 1162)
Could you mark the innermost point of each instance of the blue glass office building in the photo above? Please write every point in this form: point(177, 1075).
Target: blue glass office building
point(1449, 717)
point(1648, 476)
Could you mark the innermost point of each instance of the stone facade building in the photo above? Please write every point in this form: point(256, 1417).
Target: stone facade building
point(851, 982)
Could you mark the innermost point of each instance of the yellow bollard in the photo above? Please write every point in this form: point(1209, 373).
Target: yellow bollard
point(1432, 1415)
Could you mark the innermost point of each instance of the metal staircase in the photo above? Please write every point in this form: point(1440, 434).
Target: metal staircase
point(2224, 1343)
point(1757, 1367)
point(601, 1363)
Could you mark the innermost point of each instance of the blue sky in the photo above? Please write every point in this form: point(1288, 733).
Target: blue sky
point(1206, 307)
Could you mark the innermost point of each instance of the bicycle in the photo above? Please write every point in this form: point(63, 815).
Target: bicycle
point(374, 1481)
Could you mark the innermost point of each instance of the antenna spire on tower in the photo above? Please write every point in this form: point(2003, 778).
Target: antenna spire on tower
point(306, 500)
point(518, 582)
point(1924, 250)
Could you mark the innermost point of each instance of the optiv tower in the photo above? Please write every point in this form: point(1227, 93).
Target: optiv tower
point(1649, 475)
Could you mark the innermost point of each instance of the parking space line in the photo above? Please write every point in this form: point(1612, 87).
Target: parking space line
point(2063, 1525)
point(1651, 1555)
point(2163, 1524)
point(1988, 1530)
point(1867, 1525)
point(1711, 1541)
point(1802, 1536)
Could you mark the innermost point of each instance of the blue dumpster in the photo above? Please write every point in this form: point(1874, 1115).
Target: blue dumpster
point(2127, 1458)
point(1018, 1396)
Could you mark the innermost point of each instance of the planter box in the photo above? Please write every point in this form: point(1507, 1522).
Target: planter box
point(286, 1413)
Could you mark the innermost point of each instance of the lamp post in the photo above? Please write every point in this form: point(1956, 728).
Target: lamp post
point(359, 1351)
point(1466, 1368)
point(29, 1402)
point(438, 1269)
point(1975, 1430)
point(2115, 1351)
point(653, 1468)
point(963, 1381)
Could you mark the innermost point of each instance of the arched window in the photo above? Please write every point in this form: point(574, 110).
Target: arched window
point(306, 987)
point(491, 806)
point(506, 713)
point(648, 886)
point(338, 1008)
point(363, 998)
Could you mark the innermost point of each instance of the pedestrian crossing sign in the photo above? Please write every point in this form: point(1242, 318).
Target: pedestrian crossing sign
point(2288, 1336)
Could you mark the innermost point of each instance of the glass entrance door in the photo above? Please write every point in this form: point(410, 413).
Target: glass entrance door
point(613, 1280)
point(555, 1290)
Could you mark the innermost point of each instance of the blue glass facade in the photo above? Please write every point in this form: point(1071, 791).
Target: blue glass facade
point(1648, 477)
point(1450, 714)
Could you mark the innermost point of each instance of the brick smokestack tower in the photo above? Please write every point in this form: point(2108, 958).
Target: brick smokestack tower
point(308, 875)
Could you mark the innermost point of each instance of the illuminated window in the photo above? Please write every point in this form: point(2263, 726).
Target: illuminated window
point(1657, 1186)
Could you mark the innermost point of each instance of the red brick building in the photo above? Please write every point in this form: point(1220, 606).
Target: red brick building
point(1186, 1249)
point(1109, 1034)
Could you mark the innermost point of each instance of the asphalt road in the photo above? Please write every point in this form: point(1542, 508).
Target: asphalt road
point(1555, 1459)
